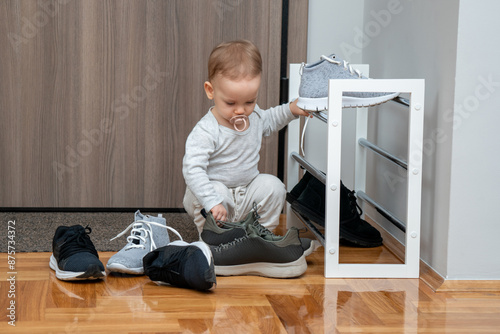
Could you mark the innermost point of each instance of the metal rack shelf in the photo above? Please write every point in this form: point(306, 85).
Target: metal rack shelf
point(331, 179)
point(310, 168)
point(383, 153)
point(388, 215)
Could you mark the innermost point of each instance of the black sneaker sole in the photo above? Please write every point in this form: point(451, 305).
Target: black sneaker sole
point(348, 239)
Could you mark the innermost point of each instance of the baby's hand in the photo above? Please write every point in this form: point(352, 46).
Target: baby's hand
point(297, 111)
point(219, 212)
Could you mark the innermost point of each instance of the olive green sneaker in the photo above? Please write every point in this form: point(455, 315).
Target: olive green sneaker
point(254, 255)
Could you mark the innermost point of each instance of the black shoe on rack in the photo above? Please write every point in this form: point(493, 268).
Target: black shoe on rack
point(299, 188)
point(74, 256)
point(354, 231)
point(310, 203)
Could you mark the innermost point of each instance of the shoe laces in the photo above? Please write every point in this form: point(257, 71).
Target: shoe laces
point(353, 203)
point(261, 230)
point(230, 244)
point(237, 224)
point(344, 63)
point(77, 243)
point(257, 227)
point(141, 231)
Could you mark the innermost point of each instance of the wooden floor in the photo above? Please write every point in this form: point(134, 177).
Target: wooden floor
point(309, 304)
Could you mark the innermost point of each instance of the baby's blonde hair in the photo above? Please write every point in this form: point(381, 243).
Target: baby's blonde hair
point(235, 60)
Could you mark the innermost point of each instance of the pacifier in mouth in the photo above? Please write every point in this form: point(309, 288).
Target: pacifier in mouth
point(239, 122)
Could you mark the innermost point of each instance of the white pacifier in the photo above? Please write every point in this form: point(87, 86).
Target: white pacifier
point(239, 122)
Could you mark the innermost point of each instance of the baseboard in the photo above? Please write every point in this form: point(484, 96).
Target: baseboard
point(430, 277)
point(470, 286)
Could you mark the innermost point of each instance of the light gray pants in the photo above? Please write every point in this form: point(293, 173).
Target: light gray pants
point(267, 191)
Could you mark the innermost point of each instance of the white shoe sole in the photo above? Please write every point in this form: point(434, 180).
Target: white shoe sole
point(274, 270)
point(73, 275)
point(120, 268)
point(200, 244)
point(321, 103)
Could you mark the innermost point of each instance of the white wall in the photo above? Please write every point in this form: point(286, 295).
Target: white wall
point(419, 41)
point(442, 42)
point(475, 185)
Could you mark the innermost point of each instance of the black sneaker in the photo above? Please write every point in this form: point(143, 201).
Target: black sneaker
point(181, 264)
point(74, 256)
point(254, 255)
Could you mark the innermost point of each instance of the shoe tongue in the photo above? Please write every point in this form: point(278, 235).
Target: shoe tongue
point(252, 233)
point(74, 230)
point(139, 215)
point(137, 241)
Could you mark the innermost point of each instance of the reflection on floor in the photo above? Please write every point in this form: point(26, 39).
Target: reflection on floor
point(308, 304)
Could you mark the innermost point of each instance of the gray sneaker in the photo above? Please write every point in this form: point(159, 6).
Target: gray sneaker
point(254, 255)
point(148, 233)
point(313, 90)
point(215, 235)
point(308, 245)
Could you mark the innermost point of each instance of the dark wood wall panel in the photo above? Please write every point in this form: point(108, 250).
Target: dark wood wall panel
point(298, 11)
point(97, 97)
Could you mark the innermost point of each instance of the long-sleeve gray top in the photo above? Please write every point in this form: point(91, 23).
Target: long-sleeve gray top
point(217, 153)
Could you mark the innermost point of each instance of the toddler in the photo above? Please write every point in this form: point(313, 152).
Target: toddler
point(220, 165)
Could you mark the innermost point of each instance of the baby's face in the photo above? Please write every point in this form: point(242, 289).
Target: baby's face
point(232, 97)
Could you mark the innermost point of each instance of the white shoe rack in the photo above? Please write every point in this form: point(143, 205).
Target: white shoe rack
point(413, 166)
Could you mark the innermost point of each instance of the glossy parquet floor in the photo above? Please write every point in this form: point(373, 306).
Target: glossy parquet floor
point(309, 304)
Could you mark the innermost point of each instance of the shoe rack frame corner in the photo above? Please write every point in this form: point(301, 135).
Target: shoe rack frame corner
point(330, 240)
